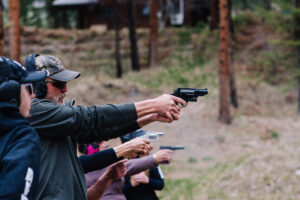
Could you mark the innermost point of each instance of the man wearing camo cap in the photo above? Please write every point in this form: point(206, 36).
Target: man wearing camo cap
point(61, 174)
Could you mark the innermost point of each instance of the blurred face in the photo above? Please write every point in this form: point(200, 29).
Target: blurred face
point(26, 97)
point(103, 145)
point(56, 90)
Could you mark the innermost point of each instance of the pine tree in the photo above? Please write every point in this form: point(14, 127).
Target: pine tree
point(297, 38)
point(14, 13)
point(1, 31)
point(132, 37)
point(153, 34)
point(224, 114)
point(117, 41)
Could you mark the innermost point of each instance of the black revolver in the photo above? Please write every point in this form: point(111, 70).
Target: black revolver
point(189, 94)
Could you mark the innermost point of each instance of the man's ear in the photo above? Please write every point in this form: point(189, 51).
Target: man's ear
point(40, 89)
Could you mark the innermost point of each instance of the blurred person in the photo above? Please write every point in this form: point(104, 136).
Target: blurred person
point(113, 172)
point(142, 185)
point(133, 166)
point(61, 172)
point(19, 143)
point(111, 155)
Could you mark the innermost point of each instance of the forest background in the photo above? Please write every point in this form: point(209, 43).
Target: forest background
point(256, 154)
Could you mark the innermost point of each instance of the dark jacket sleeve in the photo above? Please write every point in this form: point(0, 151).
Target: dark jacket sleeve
point(20, 165)
point(98, 160)
point(156, 181)
point(108, 133)
point(101, 122)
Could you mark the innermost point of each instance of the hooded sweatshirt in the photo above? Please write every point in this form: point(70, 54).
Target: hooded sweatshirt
point(19, 155)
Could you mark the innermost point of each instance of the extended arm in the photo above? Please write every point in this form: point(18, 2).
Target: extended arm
point(100, 122)
point(53, 120)
point(104, 158)
point(98, 160)
point(165, 105)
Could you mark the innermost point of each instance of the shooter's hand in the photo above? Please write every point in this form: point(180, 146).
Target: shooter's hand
point(134, 147)
point(167, 106)
point(141, 178)
point(163, 156)
point(116, 170)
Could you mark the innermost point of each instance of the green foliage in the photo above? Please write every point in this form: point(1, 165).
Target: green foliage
point(241, 19)
point(276, 58)
point(35, 13)
point(200, 27)
point(184, 37)
point(185, 72)
point(274, 134)
point(280, 21)
point(239, 5)
point(207, 158)
point(177, 189)
point(192, 160)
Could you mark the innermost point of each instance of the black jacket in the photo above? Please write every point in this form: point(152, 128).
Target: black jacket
point(61, 173)
point(19, 155)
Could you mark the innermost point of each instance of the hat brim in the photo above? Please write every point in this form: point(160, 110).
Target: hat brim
point(65, 75)
point(35, 76)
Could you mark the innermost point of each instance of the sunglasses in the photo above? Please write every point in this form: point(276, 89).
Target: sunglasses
point(28, 87)
point(58, 84)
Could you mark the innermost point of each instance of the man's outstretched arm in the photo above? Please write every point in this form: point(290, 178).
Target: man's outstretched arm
point(165, 105)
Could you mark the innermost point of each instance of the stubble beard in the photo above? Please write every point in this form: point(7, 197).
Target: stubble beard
point(59, 99)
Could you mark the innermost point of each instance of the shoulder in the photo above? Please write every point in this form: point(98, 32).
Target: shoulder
point(22, 140)
point(25, 133)
point(43, 106)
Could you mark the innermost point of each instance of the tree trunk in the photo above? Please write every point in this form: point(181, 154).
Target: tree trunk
point(297, 38)
point(132, 35)
point(267, 4)
point(1, 30)
point(224, 60)
point(117, 41)
point(153, 34)
point(214, 14)
point(298, 99)
point(232, 85)
point(245, 4)
point(14, 12)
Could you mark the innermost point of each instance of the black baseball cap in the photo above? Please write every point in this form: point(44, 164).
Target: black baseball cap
point(12, 70)
point(55, 67)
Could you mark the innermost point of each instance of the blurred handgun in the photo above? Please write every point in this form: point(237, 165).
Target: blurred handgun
point(151, 135)
point(173, 148)
point(189, 94)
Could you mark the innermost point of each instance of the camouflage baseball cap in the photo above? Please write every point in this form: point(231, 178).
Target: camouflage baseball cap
point(55, 67)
